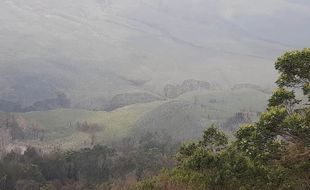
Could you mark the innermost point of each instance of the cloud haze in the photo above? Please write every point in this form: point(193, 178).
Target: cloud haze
point(158, 41)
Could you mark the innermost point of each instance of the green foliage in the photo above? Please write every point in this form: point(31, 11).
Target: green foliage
point(294, 68)
point(260, 141)
point(273, 153)
point(283, 97)
point(213, 139)
point(88, 167)
point(125, 122)
point(306, 90)
point(282, 123)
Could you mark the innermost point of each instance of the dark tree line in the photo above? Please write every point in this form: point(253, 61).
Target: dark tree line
point(99, 167)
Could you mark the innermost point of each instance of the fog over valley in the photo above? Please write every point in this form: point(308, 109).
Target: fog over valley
point(95, 49)
point(154, 94)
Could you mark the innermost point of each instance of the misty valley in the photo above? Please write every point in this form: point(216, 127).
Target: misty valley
point(154, 95)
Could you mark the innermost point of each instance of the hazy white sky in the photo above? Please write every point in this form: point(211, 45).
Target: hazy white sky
point(232, 8)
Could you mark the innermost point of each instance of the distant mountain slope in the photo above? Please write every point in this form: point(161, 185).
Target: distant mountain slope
point(100, 48)
point(28, 87)
point(7, 106)
point(122, 100)
point(61, 101)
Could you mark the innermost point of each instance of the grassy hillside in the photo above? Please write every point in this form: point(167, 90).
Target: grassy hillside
point(114, 125)
point(182, 118)
point(187, 116)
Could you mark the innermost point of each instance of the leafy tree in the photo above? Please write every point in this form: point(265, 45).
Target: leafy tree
point(282, 122)
point(213, 139)
point(294, 68)
point(273, 153)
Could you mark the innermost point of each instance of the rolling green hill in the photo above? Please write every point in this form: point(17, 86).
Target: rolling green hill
point(187, 116)
point(60, 124)
point(182, 118)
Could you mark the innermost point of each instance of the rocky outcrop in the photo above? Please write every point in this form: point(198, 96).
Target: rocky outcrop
point(172, 91)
